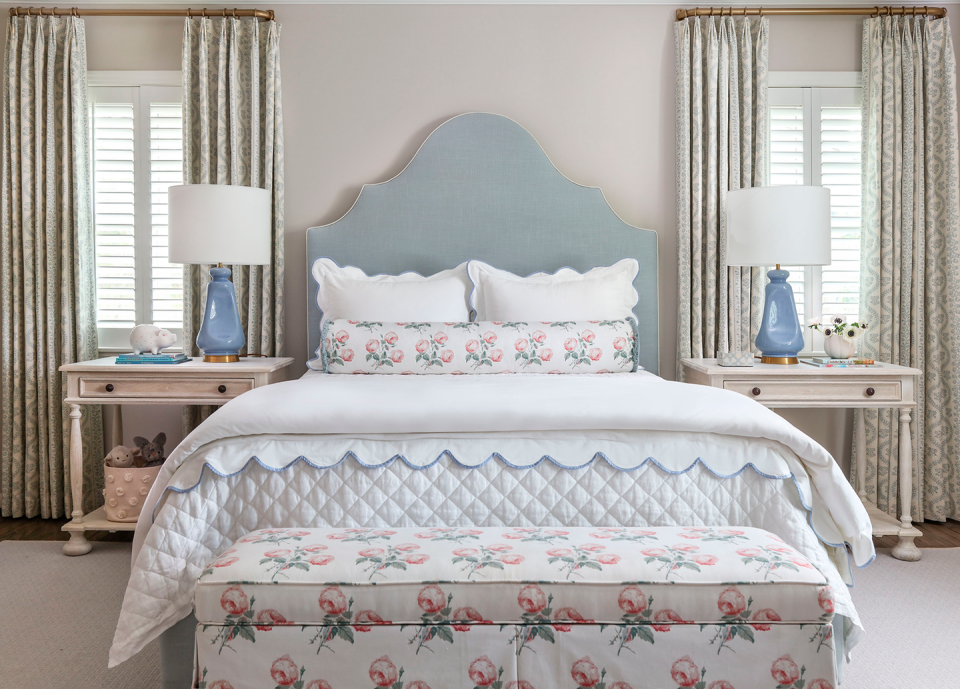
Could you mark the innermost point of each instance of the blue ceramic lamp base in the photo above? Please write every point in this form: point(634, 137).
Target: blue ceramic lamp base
point(221, 336)
point(780, 338)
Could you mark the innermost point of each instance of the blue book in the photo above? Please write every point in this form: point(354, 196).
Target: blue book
point(152, 358)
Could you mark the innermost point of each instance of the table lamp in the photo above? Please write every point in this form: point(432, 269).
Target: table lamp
point(773, 225)
point(219, 223)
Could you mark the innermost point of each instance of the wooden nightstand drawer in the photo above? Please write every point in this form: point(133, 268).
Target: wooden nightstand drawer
point(107, 387)
point(771, 391)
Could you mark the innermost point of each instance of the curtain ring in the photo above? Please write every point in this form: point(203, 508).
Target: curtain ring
point(203, 13)
point(761, 12)
point(234, 12)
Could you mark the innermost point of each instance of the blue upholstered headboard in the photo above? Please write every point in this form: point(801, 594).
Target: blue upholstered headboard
point(481, 187)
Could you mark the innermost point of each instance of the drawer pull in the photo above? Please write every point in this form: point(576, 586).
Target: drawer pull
point(222, 389)
point(756, 392)
point(870, 392)
point(109, 387)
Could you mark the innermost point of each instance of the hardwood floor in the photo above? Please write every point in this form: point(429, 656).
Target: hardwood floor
point(935, 534)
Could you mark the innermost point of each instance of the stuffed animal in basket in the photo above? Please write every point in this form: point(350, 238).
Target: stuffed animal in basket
point(121, 457)
point(151, 451)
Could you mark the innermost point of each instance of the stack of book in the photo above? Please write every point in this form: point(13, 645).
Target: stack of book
point(152, 358)
point(826, 362)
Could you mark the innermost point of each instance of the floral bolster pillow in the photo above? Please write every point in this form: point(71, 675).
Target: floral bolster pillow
point(482, 347)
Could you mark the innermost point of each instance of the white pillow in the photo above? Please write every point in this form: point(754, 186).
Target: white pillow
point(605, 293)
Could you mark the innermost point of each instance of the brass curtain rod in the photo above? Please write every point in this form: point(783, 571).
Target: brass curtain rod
point(877, 11)
point(78, 12)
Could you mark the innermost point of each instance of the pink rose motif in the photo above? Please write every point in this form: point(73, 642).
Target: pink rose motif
point(234, 601)
point(595, 353)
point(602, 534)
point(499, 547)
point(667, 618)
point(588, 336)
point(525, 529)
point(267, 618)
point(593, 547)
point(337, 536)
point(220, 684)
point(687, 548)
point(482, 672)
point(784, 670)
point(785, 549)
point(446, 356)
point(365, 619)
point(359, 373)
point(465, 614)
point(720, 684)
point(513, 536)
point(424, 535)
point(472, 346)
point(383, 672)
point(231, 551)
point(521, 344)
point(489, 337)
point(319, 548)
point(417, 684)
point(765, 615)
point(226, 562)
point(748, 552)
point(640, 532)
point(731, 532)
point(470, 532)
point(585, 673)
point(347, 355)
point(620, 685)
point(342, 336)
point(570, 344)
point(556, 532)
point(417, 559)
point(632, 600)
point(371, 552)
point(372, 346)
point(546, 354)
point(496, 355)
point(440, 338)
point(319, 684)
point(521, 684)
point(396, 356)
point(685, 672)
point(559, 552)
point(653, 552)
point(284, 671)
point(707, 560)
point(431, 599)
point(465, 552)
point(355, 322)
point(619, 343)
point(279, 552)
point(391, 338)
point(510, 559)
point(332, 601)
point(539, 336)
point(568, 615)
point(608, 559)
point(801, 562)
point(825, 598)
point(731, 601)
point(690, 536)
point(532, 598)
point(696, 528)
point(820, 684)
point(422, 346)
point(320, 560)
point(407, 547)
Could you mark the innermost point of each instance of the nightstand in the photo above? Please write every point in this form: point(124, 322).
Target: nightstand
point(802, 385)
point(102, 381)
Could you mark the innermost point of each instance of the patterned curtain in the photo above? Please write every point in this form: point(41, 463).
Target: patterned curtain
point(910, 296)
point(47, 269)
point(233, 134)
point(721, 146)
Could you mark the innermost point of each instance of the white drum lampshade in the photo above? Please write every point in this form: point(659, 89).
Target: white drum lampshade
point(768, 226)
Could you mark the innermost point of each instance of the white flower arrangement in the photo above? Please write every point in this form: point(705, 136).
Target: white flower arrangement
point(838, 326)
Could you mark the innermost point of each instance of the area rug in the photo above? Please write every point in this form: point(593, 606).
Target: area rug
point(67, 608)
point(59, 614)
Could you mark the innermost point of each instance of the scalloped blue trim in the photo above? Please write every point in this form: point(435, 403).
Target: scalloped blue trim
point(749, 465)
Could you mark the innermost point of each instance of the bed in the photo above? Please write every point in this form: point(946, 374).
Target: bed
point(626, 449)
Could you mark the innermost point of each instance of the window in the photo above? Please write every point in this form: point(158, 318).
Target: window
point(136, 153)
point(815, 140)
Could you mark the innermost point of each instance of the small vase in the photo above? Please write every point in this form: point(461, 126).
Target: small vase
point(839, 347)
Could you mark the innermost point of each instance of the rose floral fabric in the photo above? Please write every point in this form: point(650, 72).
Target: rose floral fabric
point(551, 578)
point(484, 347)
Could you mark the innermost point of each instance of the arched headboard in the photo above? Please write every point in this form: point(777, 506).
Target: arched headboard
point(481, 187)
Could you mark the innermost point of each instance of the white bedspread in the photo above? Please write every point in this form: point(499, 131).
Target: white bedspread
point(423, 417)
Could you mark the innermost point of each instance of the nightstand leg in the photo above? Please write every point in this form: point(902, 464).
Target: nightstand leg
point(905, 548)
point(116, 424)
point(78, 544)
point(861, 457)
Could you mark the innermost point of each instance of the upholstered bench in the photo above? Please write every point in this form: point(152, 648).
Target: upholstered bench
point(513, 608)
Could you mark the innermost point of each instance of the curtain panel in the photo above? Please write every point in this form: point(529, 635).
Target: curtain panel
point(233, 134)
point(47, 266)
point(910, 296)
point(721, 99)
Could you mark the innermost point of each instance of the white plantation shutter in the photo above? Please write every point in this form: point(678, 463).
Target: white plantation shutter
point(136, 154)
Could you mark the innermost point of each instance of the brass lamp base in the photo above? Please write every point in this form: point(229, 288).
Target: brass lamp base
point(779, 360)
point(220, 358)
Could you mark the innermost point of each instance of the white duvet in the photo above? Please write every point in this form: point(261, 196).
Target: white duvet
point(517, 419)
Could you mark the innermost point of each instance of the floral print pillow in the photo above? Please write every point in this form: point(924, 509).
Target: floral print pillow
point(483, 347)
